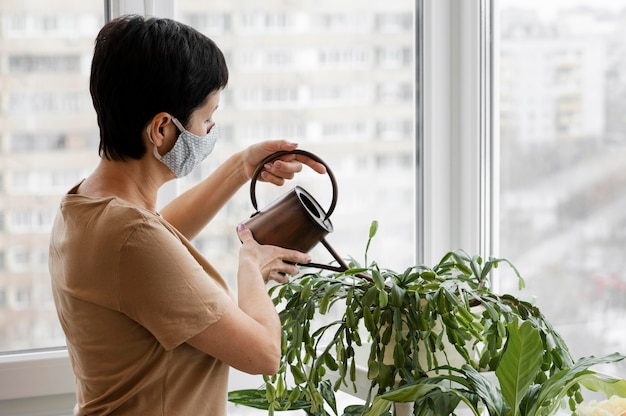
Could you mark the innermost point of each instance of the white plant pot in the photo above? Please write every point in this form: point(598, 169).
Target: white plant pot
point(449, 355)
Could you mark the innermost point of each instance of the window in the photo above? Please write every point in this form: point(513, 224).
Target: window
point(321, 92)
point(393, 22)
point(339, 96)
point(27, 142)
point(47, 144)
point(392, 92)
point(290, 79)
point(64, 21)
point(394, 57)
point(280, 59)
point(563, 177)
point(270, 96)
point(337, 21)
point(61, 102)
point(351, 57)
point(216, 22)
point(44, 63)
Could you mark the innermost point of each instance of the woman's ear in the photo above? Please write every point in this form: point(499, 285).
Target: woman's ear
point(156, 130)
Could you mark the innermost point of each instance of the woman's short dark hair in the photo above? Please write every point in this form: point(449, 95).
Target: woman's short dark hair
point(141, 67)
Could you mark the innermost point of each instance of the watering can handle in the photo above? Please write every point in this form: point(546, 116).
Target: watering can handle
point(276, 155)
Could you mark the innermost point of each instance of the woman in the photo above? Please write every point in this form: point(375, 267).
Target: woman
point(151, 327)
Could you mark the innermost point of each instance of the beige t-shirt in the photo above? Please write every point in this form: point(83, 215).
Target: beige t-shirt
point(129, 291)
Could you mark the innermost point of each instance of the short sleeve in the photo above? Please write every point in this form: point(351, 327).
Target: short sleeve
point(163, 287)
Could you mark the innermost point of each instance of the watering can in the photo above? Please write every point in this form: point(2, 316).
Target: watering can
point(295, 220)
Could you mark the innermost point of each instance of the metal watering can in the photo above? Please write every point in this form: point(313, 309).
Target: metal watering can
point(295, 220)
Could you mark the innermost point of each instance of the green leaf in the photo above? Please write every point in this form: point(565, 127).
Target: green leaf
point(280, 387)
point(485, 272)
point(378, 280)
point(350, 318)
point(257, 399)
point(354, 410)
point(397, 295)
point(355, 270)
point(520, 363)
point(379, 407)
point(399, 356)
point(460, 264)
point(385, 376)
point(372, 370)
point(486, 390)
point(370, 296)
point(608, 385)
point(368, 318)
point(352, 370)
point(555, 388)
point(328, 394)
point(417, 391)
point(398, 323)
point(330, 362)
point(383, 298)
point(373, 229)
point(306, 292)
point(386, 335)
point(410, 392)
point(520, 281)
point(270, 392)
point(298, 375)
point(328, 296)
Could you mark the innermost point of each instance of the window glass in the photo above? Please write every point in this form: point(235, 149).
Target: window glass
point(46, 146)
point(337, 78)
point(563, 171)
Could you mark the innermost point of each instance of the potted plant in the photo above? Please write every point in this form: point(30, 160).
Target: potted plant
point(437, 337)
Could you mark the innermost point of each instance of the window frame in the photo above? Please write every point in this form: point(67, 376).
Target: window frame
point(456, 176)
point(455, 184)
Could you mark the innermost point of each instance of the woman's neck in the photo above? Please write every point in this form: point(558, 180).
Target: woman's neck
point(132, 181)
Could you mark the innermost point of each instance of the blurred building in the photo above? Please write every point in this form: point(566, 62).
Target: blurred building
point(562, 95)
point(47, 140)
point(552, 85)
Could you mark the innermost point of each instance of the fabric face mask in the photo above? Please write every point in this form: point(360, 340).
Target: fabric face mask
point(188, 151)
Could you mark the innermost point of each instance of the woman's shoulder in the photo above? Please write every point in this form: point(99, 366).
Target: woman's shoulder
point(109, 208)
point(107, 218)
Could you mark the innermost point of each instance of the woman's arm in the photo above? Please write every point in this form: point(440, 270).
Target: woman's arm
point(248, 337)
point(193, 209)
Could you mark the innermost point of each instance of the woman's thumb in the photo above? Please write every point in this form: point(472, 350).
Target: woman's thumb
point(244, 233)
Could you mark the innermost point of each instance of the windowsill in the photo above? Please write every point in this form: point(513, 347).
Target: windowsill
point(41, 383)
point(35, 373)
point(57, 405)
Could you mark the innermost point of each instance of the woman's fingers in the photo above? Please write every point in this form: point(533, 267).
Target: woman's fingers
point(275, 263)
point(277, 171)
point(278, 277)
point(316, 166)
point(287, 166)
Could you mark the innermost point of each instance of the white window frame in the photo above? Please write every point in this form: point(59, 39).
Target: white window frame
point(455, 185)
point(455, 176)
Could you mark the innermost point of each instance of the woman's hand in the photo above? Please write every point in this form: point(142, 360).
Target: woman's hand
point(280, 169)
point(270, 261)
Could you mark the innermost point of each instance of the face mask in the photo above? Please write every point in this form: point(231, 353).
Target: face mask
point(188, 151)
